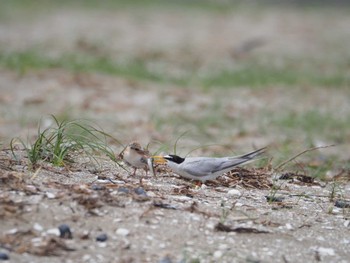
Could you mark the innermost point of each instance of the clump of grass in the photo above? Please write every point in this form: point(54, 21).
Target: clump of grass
point(335, 190)
point(64, 141)
point(224, 212)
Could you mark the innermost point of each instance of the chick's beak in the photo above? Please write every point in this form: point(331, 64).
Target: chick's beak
point(159, 159)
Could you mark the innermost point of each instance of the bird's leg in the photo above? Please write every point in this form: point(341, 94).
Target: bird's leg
point(133, 174)
point(198, 184)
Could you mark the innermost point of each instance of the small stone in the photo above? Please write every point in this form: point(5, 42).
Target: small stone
point(150, 194)
point(140, 191)
point(12, 231)
point(203, 186)
point(65, 231)
point(347, 223)
point(4, 256)
point(272, 198)
point(289, 226)
point(234, 192)
point(166, 259)
point(210, 225)
point(181, 198)
point(84, 235)
point(31, 189)
point(50, 195)
point(122, 232)
point(86, 258)
point(38, 227)
point(326, 251)
point(102, 244)
point(342, 204)
point(53, 231)
point(101, 238)
point(217, 254)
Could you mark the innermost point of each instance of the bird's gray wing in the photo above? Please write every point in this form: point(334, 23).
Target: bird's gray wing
point(204, 166)
point(229, 163)
point(201, 166)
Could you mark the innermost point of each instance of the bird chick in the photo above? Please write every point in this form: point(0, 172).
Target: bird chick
point(135, 156)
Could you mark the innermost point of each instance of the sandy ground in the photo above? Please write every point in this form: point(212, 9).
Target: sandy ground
point(167, 219)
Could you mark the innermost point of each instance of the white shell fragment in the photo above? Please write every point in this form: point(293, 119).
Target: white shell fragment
point(122, 232)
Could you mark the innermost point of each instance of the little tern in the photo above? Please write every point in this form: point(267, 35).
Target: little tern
point(204, 168)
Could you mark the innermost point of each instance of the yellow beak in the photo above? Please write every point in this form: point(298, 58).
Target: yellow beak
point(159, 159)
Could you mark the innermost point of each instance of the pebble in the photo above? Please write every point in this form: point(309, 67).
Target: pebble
point(166, 259)
point(272, 198)
point(4, 256)
point(122, 232)
point(234, 192)
point(326, 251)
point(150, 194)
point(84, 235)
point(38, 227)
point(102, 244)
point(54, 231)
point(86, 258)
point(210, 225)
point(102, 237)
point(12, 231)
point(204, 186)
point(140, 191)
point(65, 231)
point(342, 204)
point(289, 226)
point(217, 254)
point(181, 198)
point(50, 195)
point(31, 188)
